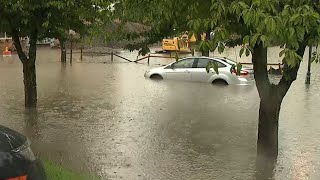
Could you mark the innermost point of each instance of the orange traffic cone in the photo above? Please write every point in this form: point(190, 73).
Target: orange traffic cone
point(6, 52)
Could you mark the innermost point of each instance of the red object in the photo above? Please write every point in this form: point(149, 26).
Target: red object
point(244, 73)
point(6, 52)
point(19, 178)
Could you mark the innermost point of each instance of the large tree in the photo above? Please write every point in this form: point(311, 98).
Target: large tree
point(292, 25)
point(253, 24)
point(34, 19)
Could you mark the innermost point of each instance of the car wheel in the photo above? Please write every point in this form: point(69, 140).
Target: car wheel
point(156, 77)
point(220, 82)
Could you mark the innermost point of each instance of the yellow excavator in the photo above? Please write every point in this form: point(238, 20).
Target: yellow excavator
point(178, 44)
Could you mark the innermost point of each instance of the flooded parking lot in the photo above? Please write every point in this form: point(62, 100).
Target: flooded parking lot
point(107, 119)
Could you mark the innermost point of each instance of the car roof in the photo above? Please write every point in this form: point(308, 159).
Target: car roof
point(220, 59)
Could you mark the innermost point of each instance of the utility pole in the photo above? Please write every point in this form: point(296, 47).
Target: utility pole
point(309, 66)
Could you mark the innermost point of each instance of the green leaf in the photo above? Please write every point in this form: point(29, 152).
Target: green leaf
point(214, 46)
point(291, 32)
point(214, 65)
point(243, 5)
point(208, 67)
point(272, 25)
point(221, 48)
point(233, 68)
point(246, 39)
point(292, 58)
point(177, 57)
point(315, 15)
point(282, 53)
point(263, 39)
point(250, 48)
point(294, 18)
point(247, 52)
point(300, 32)
point(212, 24)
point(239, 68)
point(241, 51)
point(246, 16)
point(254, 39)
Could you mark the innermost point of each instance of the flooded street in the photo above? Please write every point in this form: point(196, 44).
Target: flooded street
point(107, 119)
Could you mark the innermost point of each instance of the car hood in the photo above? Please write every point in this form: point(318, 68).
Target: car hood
point(157, 68)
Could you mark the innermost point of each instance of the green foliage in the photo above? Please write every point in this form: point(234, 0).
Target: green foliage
point(176, 56)
point(55, 172)
point(51, 18)
point(290, 57)
point(236, 69)
point(289, 24)
point(315, 56)
point(212, 65)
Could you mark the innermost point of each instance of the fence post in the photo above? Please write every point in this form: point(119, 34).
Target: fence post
point(148, 59)
point(112, 56)
point(309, 66)
point(81, 53)
point(71, 48)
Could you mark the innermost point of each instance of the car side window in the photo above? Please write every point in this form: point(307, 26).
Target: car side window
point(202, 63)
point(186, 63)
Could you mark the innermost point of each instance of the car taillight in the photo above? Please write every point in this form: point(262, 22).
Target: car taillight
point(244, 73)
point(19, 178)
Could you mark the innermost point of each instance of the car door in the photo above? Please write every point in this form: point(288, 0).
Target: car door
point(200, 73)
point(181, 70)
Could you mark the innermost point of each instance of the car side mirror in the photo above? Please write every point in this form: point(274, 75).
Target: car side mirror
point(172, 66)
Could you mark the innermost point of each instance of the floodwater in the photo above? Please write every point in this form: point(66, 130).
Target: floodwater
point(107, 119)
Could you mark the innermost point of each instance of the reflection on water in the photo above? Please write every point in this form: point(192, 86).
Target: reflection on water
point(109, 120)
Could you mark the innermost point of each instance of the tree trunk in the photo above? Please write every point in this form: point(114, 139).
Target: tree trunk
point(30, 83)
point(63, 51)
point(29, 68)
point(271, 97)
point(267, 144)
point(270, 103)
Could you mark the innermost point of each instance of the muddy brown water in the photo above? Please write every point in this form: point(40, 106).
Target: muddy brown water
point(107, 119)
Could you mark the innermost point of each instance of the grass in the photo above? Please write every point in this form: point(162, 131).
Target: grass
point(55, 172)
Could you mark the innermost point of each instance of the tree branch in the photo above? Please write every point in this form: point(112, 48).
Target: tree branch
point(18, 46)
point(259, 60)
point(15, 36)
point(291, 74)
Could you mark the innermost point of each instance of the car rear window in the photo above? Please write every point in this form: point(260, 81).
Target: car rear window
point(229, 61)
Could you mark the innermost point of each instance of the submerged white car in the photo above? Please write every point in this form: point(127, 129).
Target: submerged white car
point(194, 69)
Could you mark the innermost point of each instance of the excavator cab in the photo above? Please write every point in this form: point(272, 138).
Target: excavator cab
point(182, 44)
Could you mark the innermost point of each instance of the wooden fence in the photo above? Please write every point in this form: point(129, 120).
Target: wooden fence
point(149, 56)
